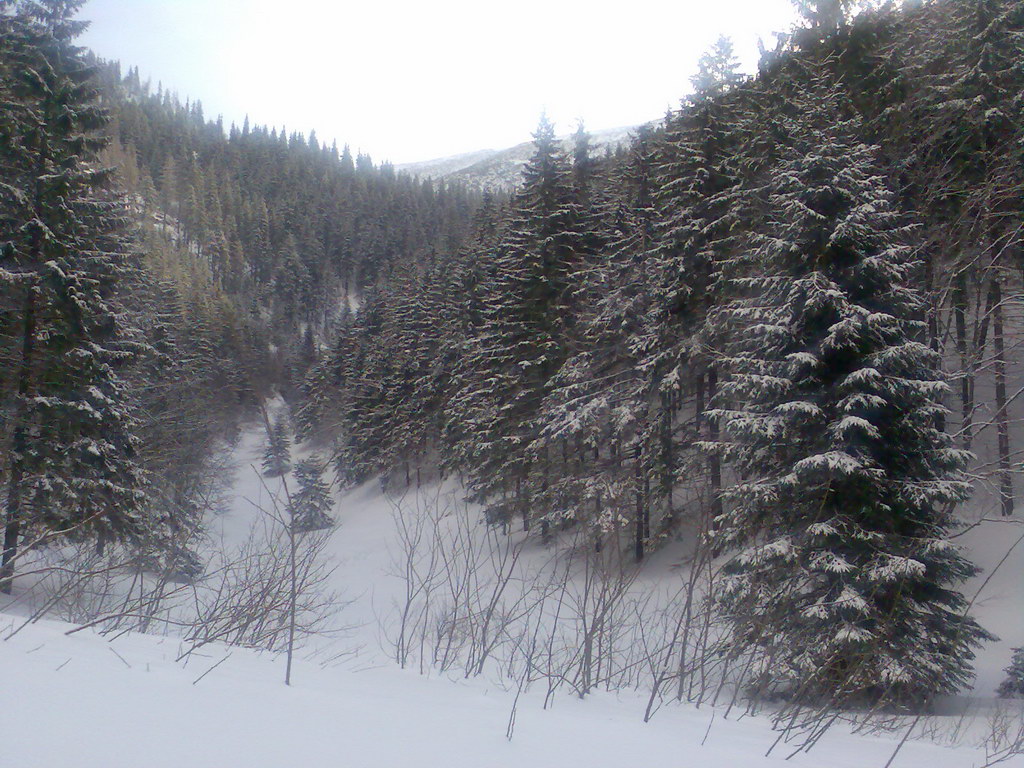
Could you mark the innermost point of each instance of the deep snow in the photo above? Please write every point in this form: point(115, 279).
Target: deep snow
point(85, 700)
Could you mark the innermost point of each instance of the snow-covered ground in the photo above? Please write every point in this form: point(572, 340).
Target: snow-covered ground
point(129, 700)
point(87, 702)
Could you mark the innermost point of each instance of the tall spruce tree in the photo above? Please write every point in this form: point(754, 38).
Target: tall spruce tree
point(707, 158)
point(72, 465)
point(966, 150)
point(522, 342)
point(718, 69)
point(842, 581)
point(597, 406)
point(824, 15)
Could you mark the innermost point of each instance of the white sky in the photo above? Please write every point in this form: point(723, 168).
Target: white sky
point(406, 80)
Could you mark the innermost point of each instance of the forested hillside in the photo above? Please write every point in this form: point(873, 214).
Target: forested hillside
point(781, 322)
point(780, 330)
point(161, 276)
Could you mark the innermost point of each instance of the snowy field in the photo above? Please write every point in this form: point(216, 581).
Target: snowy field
point(127, 700)
point(127, 703)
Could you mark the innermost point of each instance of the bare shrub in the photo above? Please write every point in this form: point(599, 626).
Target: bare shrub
point(247, 599)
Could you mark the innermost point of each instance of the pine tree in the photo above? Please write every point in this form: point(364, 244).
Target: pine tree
point(523, 341)
point(277, 454)
point(1013, 686)
point(718, 69)
point(292, 284)
point(72, 464)
point(707, 159)
point(327, 388)
point(842, 582)
point(824, 15)
point(311, 504)
point(966, 150)
point(602, 398)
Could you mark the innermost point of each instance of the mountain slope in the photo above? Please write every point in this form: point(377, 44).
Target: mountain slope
point(146, 709)
point(226, 706)
point(501, 169)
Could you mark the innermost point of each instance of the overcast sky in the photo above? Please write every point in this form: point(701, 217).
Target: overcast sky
point(407, 80)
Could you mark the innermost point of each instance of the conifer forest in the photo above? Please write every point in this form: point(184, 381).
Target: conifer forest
point(776, 338)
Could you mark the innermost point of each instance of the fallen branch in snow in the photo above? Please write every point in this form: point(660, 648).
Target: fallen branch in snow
point(114, 651)
point(208, 671)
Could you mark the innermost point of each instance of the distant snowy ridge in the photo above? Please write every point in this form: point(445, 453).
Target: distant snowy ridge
point(501, 169)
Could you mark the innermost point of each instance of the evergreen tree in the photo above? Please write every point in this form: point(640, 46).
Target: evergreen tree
point(966, 148)
point(311, 504)
point(277, 454)
point(327, 388)
point(292, 284)
point(523, 340)
point(842, 583)
point(602, 398)
point(708, 159)
point(824, 15)
point(72, 461)
point(718, 69)
point(1013, 686)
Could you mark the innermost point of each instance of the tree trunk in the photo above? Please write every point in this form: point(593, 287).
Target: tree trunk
point(933, 320)
point(639, 490)
point(668, 457)
point(545, 526)
point(293, 592)
point(522, 507)
point(19, 446)
point(1002, 417)
point(647, 507)
point(714, 461)
point(966, 373)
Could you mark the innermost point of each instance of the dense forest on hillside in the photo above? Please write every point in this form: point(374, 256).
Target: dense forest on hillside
point(161, 276)
point(781, 324)
point(782, 320)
